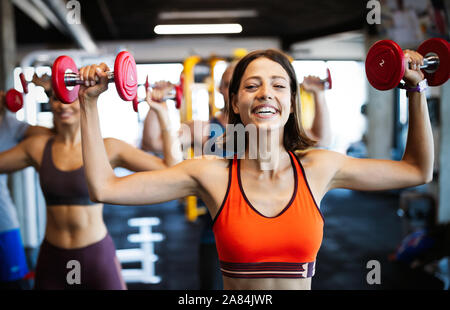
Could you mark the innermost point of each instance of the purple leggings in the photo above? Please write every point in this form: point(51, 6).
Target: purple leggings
point(94, 267)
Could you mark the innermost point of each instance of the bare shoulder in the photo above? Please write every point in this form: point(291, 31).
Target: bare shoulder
point(321, 165)
point(205, 165)
point(206, 170)
point(113, 145)
point(313, 157)
point(211, 175)
point(37, 141)
point(34, 146)
point(112, 142)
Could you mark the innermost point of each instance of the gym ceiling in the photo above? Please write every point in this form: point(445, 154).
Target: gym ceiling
point(132, 20)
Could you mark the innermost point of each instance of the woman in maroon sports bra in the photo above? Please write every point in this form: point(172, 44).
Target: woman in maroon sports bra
point(75, 229)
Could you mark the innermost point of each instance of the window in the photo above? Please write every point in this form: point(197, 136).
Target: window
point(344, 100)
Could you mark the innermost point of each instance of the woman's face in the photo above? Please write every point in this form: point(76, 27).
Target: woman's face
point(65, 114)
point(264, 96)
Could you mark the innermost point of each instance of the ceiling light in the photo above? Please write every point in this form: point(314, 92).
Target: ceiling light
point(198, 29)
point(208, 14)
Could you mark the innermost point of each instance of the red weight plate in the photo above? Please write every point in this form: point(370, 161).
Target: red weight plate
point(441, 48)
point(24, 83)
point(61, 65)
point(384, 65)
point(135, 104)
point(14, 100)
point(330, 82)
point(125, 76)
point(178, 96)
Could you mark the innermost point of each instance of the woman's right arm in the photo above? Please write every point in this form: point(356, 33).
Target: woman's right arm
point(320, 129)
point(104, 186)
point(152, 136)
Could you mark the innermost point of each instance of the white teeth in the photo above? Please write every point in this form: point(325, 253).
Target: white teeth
point(265, 110)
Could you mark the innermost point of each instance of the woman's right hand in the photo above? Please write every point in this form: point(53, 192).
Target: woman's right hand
point(95, 82)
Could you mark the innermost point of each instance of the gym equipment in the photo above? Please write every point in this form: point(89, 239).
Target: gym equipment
point(192, 210)
point(414, 245)
point(438, 51)
point(328, 83)
point(65, 73)
point(385, 66)
point(24, 83)
point(14, 98)
point(176, 95)
point(145, 254)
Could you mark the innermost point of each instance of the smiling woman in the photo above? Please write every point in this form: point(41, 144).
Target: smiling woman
point(75, 229)
point(282, 84)
point(266, 218)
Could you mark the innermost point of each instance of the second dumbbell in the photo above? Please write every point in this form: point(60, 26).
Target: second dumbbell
point(65, 74)
point(176, 94)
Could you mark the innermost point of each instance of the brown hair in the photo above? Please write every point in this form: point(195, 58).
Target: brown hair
point(295, 138)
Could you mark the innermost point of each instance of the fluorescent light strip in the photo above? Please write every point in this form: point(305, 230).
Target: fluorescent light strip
point(208, 14)
point(198, 29)
point(32, 12)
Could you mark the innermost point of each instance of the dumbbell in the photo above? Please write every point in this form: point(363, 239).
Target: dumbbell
point(65, 73)
point(177, 94)
point(328, 83)
point(14, 98)
point(385, 66)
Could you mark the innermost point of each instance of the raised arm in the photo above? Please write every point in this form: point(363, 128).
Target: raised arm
point(416, 166)
point(122, 154)
point(170, 142)
point(151, 135)
point(104, 186)
point(320, 129)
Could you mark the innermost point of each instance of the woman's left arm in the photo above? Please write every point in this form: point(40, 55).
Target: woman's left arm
point(416, 166)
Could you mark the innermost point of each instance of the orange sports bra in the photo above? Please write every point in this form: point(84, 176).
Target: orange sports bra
point(251, 245)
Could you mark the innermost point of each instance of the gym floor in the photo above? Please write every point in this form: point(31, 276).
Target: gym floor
point(359, 227)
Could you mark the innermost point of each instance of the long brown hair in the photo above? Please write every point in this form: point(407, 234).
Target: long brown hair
point(295, 138)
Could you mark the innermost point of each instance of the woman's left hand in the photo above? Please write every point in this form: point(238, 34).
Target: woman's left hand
point(95, 81)
point(413, 75)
